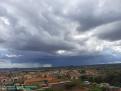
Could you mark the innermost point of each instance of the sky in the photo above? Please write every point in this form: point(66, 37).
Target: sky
point(48, 33)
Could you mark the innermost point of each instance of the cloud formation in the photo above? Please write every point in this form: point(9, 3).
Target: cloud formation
point(111, 31)
point(59, 27)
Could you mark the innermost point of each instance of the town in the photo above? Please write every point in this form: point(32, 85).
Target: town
point(61, 79)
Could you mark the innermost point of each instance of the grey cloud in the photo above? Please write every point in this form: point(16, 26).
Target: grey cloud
point(35, 30)
point(91, 14)
point(44, 25)
point(59, 32)
point(111, 32)
point(1, 40)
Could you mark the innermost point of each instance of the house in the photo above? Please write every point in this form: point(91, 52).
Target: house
point(87, 83)
point(73, 74)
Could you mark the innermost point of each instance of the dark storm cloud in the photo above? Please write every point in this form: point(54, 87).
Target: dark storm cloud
point(34, 29)
point(94, 13)
point(45, 26)
point(71, 60)
point(1, 40)
point(111, 32)
point(58, 28)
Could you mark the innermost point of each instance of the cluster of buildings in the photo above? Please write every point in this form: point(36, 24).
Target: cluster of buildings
point(35, 79)
point(38, 80)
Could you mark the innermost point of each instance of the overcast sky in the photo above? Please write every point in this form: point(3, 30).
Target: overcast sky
point(45, 33)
